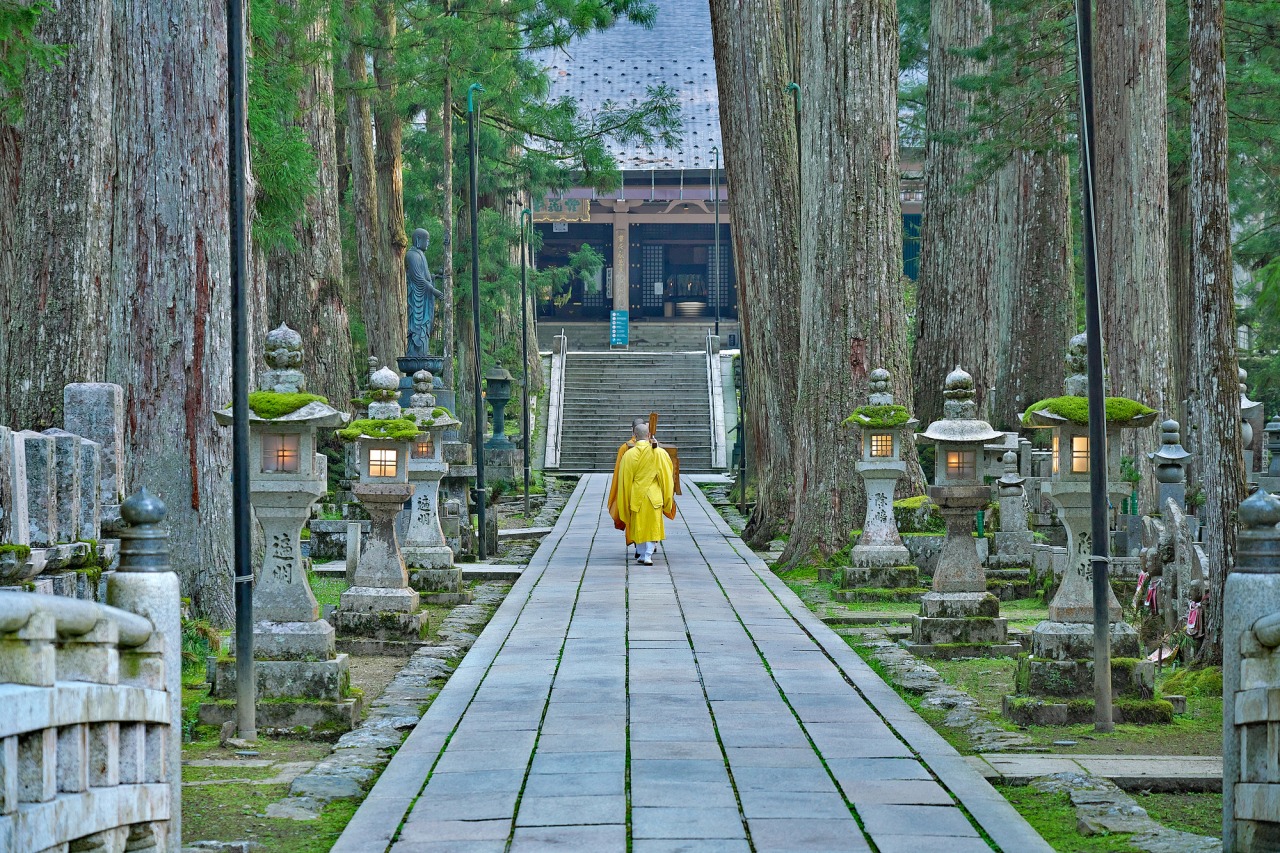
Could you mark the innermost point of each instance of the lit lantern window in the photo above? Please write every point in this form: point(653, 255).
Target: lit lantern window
point(280, 453)
point(961, 464)
point(382, 462)
point(1079, 454)
point(424, 449)
point(1055, 451)
point(881, 444)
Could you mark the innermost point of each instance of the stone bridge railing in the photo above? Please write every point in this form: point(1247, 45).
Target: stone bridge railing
point(90, 707)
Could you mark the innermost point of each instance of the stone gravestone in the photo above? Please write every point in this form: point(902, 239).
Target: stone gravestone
point(301, 681)
point(959, 617)
point(42, 496)
point(95, 410)
point(879, 559)
point(1059, 674)
point(1013, 540)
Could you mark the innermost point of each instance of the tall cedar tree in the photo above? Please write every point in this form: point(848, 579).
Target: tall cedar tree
point(756, 121)
point(1132, 213)
point(851, 289)
point(955, 317)
point(1215, 407)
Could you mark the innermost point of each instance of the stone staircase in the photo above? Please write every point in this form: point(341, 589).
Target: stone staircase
point(603, 391)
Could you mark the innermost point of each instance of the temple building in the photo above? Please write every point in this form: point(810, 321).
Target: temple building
point(656, 232)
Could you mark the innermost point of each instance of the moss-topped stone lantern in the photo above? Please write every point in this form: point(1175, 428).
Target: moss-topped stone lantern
point(1060, 667)
point(293, 647)
point(426, 553)
point(959, 612)
point(879, 559)
point(380, 604)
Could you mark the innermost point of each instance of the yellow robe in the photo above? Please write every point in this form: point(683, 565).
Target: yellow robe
point(618, 523)
point(645, 492)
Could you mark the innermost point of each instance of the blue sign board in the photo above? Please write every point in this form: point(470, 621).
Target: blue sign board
point(618, 328)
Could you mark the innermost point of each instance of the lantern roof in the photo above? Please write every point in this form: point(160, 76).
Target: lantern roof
point(961, 424)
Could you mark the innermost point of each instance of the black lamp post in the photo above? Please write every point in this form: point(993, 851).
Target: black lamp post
point(237, 142)
point(715, 188)
point(526, 226)
point(473, 151)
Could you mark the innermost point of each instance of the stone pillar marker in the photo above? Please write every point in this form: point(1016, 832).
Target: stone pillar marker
point(294, 649)
point(381, 605)
point(1250, 682)
point(1013, 540)
point(1169, 462)
point(879, 559)
point(95, 410)
point(1061, 662)
point(959, 612)
point(42, 497)
point(427, 555)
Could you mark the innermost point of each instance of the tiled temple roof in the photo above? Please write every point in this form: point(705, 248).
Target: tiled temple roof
point(623, 62)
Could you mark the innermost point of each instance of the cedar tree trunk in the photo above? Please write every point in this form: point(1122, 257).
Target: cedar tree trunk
point(758, 130)
point(390, 242)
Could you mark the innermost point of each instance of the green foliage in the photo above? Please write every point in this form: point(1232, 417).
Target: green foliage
point(20, 50)
point(393, 429)
point(1076, 409)
point(270, 404)
point(21, 553)
point(918, 515)
point(284, 164)
point(200, 639)
point(879, 416)
point(1194, 682)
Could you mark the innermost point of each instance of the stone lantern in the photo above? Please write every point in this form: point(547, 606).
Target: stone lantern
point(294, 649)
point(498, 392)
point(1170, 464)
point(1061, 666)
point(879, 559)
point(959, 610)
point(1271, 479)
point(1013, 540)
point(427, 555)
point(380, 604)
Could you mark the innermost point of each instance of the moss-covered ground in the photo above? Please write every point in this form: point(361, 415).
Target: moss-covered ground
point(238, 811)
point(1053, 816)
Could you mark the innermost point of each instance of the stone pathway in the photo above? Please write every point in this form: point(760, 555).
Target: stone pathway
point(693, 705)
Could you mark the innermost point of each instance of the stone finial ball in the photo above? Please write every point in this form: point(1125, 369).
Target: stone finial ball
point(1010, 460)
point(373, 363)
point(284, 348)
point(422, 381)
point(1260, 510)
point(1242, 373)
point(958, 385)
point(879, 379)
point(142, 508)
point(384, 379)
point(1169, 431)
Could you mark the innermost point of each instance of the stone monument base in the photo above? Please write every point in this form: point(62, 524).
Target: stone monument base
point(427, 557)
point(385, 625)
point(293, 695)
point(1074, 640)
point(1012, 550)
point(895, 576)
point(290, 718)
point(960, 624)
point(879, 556)
point(1074, 678)
point(1034, 711)
point(440, 586)
point(292, 641)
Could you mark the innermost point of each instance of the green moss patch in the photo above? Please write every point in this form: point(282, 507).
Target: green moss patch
point(1054, 817)
point(270, 404)
point(1194, 682)
point(392, 429)
point(21, 553)
point(881, 417)
point(1076, 409)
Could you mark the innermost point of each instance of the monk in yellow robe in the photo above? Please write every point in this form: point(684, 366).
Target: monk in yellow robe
point(645, 494)
point(618, 523)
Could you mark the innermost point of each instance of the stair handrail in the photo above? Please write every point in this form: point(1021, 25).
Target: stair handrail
point(716, 400)
point(555, 400)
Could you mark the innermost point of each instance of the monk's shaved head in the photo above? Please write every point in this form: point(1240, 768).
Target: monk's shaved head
point(642, 431)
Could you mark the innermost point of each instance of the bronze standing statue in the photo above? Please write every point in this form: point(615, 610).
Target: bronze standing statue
point(422, 295)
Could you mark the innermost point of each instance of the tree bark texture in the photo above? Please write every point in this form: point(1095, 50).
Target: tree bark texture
point(167, 329)
point(305, 286)
point(445, 305)
point(1215, 405)
point(753, 66)
point(852, 317)
point(1033, 283)
point(955, 317)
point(1132, 175)
point(383, 321)
point(1181, 296)
point(391, 242)
point(61, 238)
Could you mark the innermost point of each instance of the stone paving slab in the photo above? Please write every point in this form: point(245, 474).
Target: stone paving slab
point(693, 705)
point(1130, 772)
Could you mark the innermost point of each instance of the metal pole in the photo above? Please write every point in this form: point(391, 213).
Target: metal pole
point(1101, 528)
point(526, 226)
point(742, 432)
point(715, 187)
point(237, 142)
point(482, 497)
